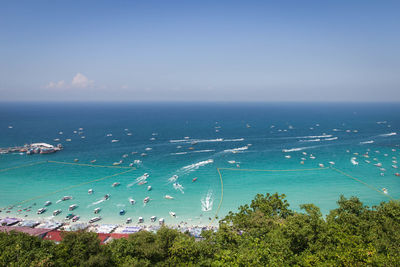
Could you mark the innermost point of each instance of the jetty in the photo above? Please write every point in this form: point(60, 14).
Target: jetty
point(34, 148)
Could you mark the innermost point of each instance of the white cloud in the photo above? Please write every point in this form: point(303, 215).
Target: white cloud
point(81, 81)
point(78, 81)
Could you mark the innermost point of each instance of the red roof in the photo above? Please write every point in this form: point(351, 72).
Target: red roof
point(103, 237)
point(118, 236)
point(54, 235)
point(27, 230)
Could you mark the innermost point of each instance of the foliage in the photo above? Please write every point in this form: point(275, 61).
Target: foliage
point(265, 233)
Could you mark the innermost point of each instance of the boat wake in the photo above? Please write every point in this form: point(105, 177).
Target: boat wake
point(388, 134)
point(298, 149)
point(196, 151)
point(206, 140)
point(195, 166)
point(310, 140)
point(367, 142)
point(236, 150)
point(207, 201)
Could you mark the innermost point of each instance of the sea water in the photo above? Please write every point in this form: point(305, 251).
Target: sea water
point(183, 141)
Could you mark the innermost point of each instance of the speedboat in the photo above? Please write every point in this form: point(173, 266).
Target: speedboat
point(47, 203)
point(140, 220)
point(40, 211)
point(321, 165)
point(332, 162)
point(149, 188)
point(115, 184)
point(146, 200)
point(95, 219)
point(72, 207)
point(75, 218)
point(114, 141)
point(90, 191)
point(132, 201)
point(173, 214)
point(397, 174)
point(384, 190)
point(122, 212)
point(69, 216)
point(153, 218)
point(288, 156)
point(93, 161)
point(169, 197)
point(107, 196)
point(394, 166)
point(96, 210)
point(194, 179)
point(129, 220)
point(117, 163)
point(56, 212)
point(66, 198)
point(312, 157)
point(142, 183)
point(161, 221)
point(76, 160)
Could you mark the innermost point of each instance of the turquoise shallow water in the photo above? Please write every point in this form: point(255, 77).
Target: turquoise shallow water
point(251, 135)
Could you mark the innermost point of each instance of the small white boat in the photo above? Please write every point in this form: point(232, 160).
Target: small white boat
point(40, 211)
point(72, 207)
point(114, 141)
point(47, 203)
point(394, 166)
point(66, 198)
point(117, 163)
point(95, 219)
point(93, 161)
point(332, 162)
point(56, 212)
point(149, 188)
point(173, 214)
point(148, 149)
point(169, 197)
point(75, 218)
point(161, 221)
point(129, 220)
point(108, 135)
point(132, 201)
point(143, 154)
point(288, 156)
point(115, 184)
point(140, 220)
point(106, 197)
point(96, 210)
point(312, 157)
point(384, 190)
point(146, 200)
point(90, 191)
point(321, 165)
point(68, 139)
point(153, 218)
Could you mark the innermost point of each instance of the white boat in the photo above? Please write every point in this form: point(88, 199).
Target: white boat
point(56, 212)
point(384, 190)
point(321, 165)
point(96, 210)
point(106, 197)
point(93, 161)
point(146, 200)
point(394, 166)
point(312, 157)
point(140, 220)
point(95, 219)
point(108, 135)
point(161, 221)
point(114, 141)
point(129, 220)
point(117, 163)
point(115, 184)
point(75, 218)
point(72, 207)
point(169, 197)
point(66, 198)
point(153, 218)
point(173, 214)
point(149, 188)
point(40, 211)
point(332, 162)
point(47, 203)
point(288, 156)
point(148, 149)
point(132, 201)
point(90, 191)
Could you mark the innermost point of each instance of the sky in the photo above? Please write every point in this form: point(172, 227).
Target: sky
point(200, 50)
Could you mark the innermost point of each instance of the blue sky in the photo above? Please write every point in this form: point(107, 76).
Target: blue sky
point(200, 50)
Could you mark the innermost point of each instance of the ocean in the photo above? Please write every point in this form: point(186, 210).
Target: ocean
point(234, 150)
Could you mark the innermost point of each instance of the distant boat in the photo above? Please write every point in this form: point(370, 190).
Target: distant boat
point(129, 220)
point(72, 207)
point(153, 218)
point(95, 219)
point(93, 161)
point(75, 218)
point(40, 211)
point(149, 188)
point(47, 203)
point(106, 197)
point(146, 200)
point(140, 220)
point(56, 212)
point(194, 179)
point(96, 210)
point(122, 212)
point(90, 191)
point(168, 197)
point(115, 184)
point(114, 141)
point(132, 201)
point(173, 214)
